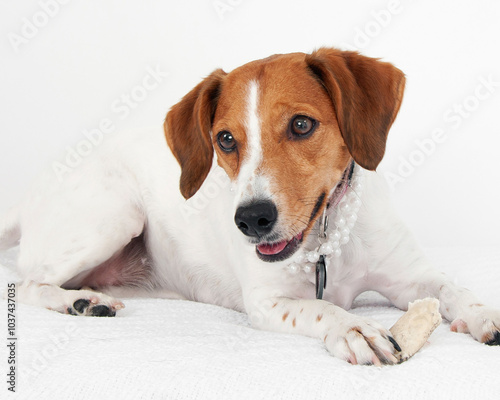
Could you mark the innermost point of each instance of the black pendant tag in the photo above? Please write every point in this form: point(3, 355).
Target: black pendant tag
point(320, 276)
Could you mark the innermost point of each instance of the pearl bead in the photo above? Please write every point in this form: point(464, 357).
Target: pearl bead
point(312, 256)
point(345, 232)
point(340, 221)
point(326, 249)
point(355, 202)
point(344, 219)
point(335, 235)
point(299, 258)
point(293, 268)
point(345, 207)
point(351, 217)
point(307, 268)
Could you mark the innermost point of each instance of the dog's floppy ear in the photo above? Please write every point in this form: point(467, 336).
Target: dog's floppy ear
point(187, 129)
point(366, 94)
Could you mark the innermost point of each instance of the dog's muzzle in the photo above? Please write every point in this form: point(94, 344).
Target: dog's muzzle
point(256, 219)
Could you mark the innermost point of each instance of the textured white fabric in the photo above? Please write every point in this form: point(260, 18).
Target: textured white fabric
point(169, 349)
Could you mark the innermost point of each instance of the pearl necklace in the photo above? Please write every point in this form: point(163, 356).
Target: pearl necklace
point(331, 240)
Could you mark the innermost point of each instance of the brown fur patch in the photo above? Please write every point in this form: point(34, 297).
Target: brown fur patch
point(319, 317)
point(294, 322)
point(366, 94)
point(187, 130)
point(285, 316)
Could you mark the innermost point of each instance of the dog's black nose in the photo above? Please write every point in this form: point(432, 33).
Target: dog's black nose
point(256, 219)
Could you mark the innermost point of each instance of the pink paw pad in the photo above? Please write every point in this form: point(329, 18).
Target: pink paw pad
point(460, 326)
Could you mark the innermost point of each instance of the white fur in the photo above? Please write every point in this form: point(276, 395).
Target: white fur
point(130, 184)
point(251, 184)
point(254, 146)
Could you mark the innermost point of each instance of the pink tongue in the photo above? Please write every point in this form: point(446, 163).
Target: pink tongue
point(270, 249)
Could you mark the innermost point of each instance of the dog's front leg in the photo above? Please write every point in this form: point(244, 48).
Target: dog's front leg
point(458, 305)
point(468, 315)
point(349, 337)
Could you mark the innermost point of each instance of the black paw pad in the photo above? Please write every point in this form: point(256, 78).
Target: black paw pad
point(495, 341)
point(80, 305)
point(70, 311)
point(102, 311)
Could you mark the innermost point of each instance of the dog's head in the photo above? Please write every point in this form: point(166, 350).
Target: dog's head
point(284, 130)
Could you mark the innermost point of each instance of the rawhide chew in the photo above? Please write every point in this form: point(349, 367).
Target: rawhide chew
point(413, 329)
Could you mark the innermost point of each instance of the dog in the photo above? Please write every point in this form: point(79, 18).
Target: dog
point(248, 210)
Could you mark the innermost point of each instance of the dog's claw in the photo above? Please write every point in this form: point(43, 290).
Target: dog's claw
point(394, 343)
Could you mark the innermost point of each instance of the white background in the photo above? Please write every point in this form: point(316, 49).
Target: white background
point(65, 76)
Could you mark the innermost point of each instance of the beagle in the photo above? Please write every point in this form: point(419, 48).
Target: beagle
point(265, 156)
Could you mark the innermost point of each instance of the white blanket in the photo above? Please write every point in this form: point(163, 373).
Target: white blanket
point(166, 349)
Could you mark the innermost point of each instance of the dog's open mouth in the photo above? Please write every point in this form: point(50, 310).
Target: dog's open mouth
point(279, 251)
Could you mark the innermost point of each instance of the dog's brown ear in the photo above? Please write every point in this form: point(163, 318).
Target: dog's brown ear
point(366, 94)
point(187, 129)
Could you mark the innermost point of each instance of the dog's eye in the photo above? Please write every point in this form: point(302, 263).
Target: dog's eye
point(302, 126)
point(226, 141)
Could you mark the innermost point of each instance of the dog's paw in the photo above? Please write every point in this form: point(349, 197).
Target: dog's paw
point(94, 304)
point(482, 322)
point(362, 341)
